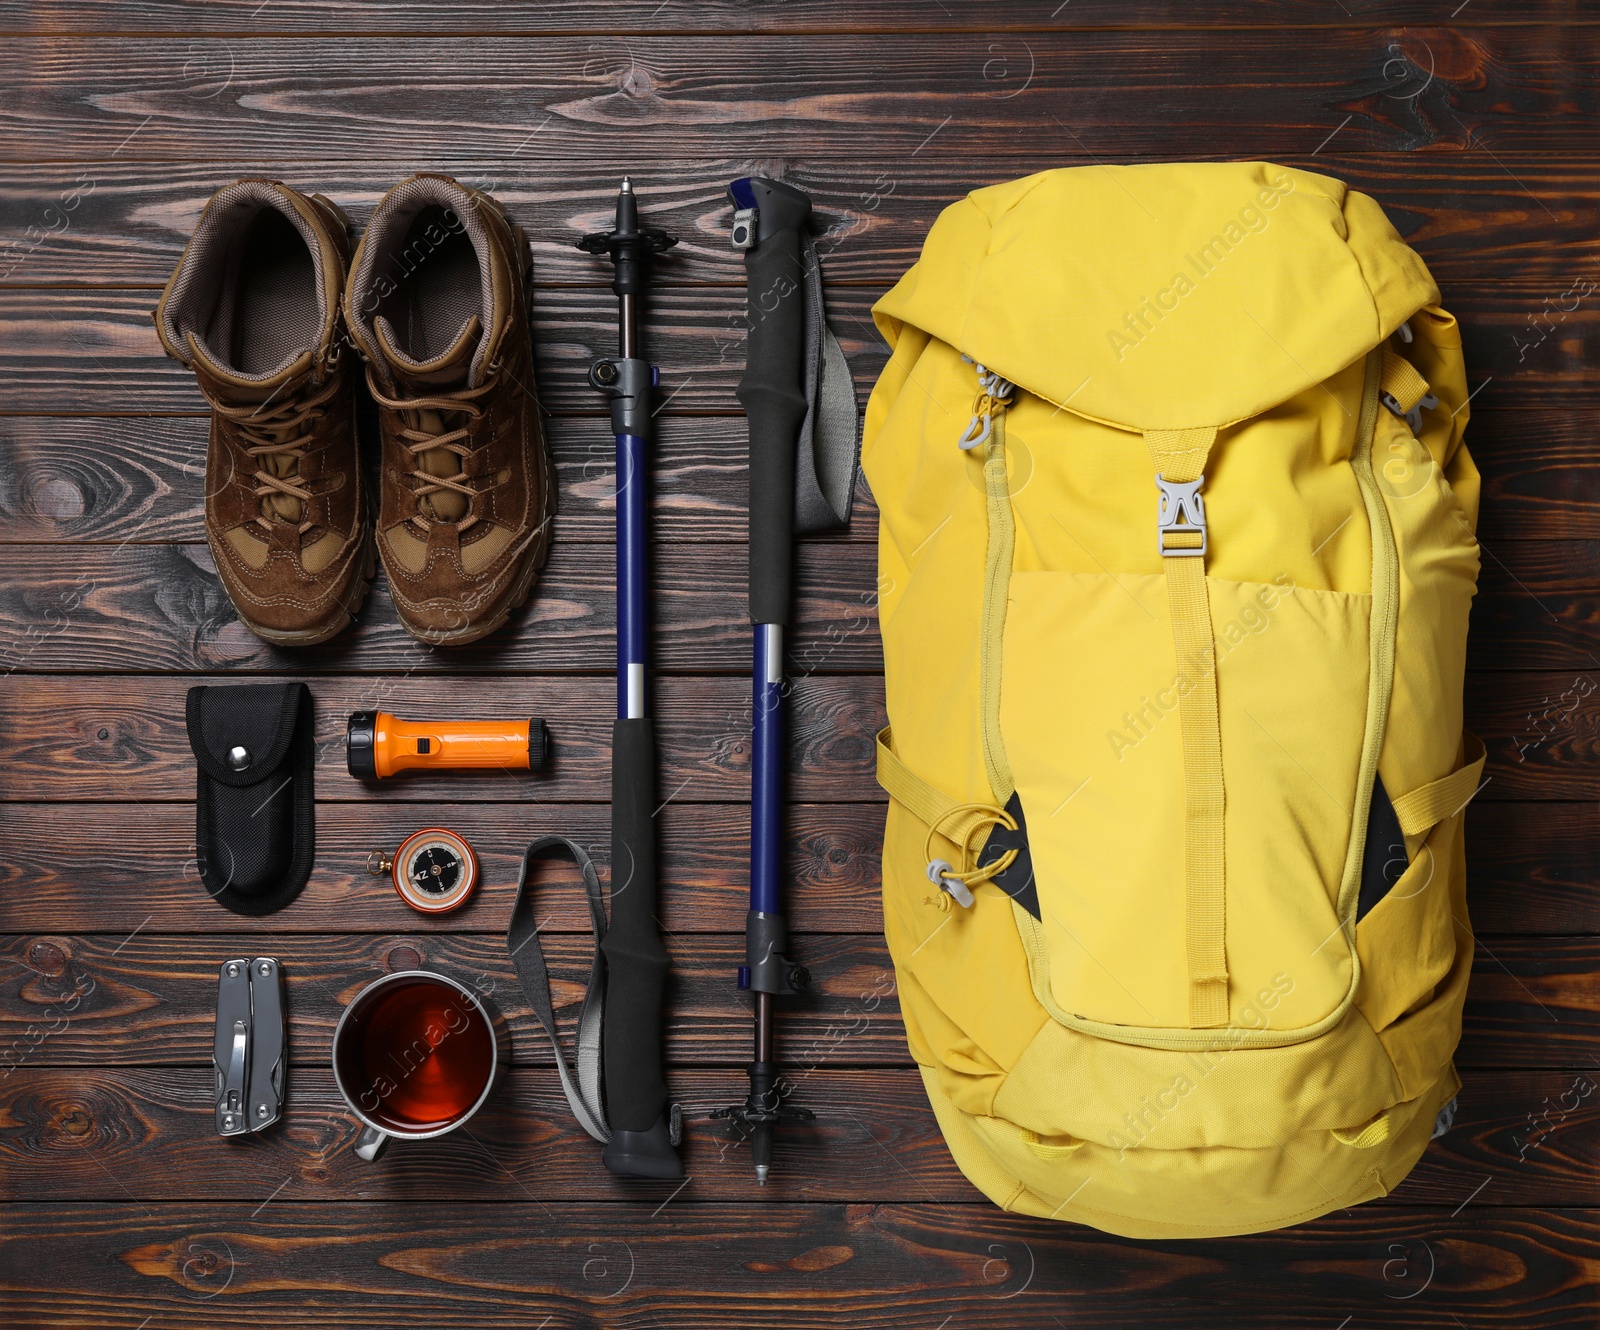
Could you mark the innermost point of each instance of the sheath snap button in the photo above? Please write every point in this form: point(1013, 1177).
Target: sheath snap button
point(239, 758)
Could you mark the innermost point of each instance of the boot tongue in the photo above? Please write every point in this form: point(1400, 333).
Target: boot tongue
point(266, 392)
point(450, 370)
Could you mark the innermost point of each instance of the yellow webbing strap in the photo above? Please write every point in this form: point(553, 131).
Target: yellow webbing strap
point(1372, 1133)
point(1180, 459)
point(1401, 381)
point(1056, 1148)
point(953, 820)
point(1423, 809)
point(996, 590)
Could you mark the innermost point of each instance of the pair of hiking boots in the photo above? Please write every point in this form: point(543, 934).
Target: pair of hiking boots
point(264, 306)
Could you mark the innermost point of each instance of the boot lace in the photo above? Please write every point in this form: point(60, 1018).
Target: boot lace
point(285, 429)
point(419, 440)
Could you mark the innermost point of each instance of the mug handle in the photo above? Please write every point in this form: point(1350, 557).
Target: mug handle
point(371, 1143)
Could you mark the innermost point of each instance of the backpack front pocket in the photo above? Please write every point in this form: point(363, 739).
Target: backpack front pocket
point(1095, 742)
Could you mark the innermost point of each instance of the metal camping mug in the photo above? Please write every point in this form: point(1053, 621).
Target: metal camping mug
point(415, 1054)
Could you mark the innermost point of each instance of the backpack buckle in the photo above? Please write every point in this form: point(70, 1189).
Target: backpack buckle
point(1413, 417)
point(1182, 513)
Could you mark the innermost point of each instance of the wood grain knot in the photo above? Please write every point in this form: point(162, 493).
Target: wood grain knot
point(58, 499)
point(637, 83)
point(818, 1258)
point(200, 1265)
point(74, 1120)
point(404, 957)
point(774, 168)
point(48, 958)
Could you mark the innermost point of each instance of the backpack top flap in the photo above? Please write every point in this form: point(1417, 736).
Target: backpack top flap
point(1162, 296)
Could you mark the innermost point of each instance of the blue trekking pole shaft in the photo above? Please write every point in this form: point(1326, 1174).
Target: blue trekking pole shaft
point(632, 571)
point(768, 224)
point(766, 771)
point(641, 1143)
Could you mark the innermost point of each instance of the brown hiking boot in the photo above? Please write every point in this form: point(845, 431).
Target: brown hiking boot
point(438, 304)
point(253, 309)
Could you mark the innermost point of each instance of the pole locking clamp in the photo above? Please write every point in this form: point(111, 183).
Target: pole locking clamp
point(746, 227)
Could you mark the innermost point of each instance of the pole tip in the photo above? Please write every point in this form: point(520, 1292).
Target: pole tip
point(761, 1175)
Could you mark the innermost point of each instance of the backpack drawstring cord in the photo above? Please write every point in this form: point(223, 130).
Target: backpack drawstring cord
point(958, 884)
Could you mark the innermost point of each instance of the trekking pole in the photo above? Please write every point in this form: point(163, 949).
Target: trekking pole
point(643, 1133)
point(768, 224)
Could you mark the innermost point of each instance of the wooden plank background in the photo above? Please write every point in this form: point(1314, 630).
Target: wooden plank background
point(1475, 128)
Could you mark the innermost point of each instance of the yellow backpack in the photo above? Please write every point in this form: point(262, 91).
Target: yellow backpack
point(1175, 566)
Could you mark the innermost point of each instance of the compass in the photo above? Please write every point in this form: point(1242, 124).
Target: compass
point(434, 870)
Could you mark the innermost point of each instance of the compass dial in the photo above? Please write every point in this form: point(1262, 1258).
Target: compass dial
point(435, 871)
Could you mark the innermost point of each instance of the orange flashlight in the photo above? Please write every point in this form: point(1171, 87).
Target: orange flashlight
point(378, 745)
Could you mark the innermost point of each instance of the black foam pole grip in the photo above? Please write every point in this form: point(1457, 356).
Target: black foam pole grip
point(636, 961)
point(773, 394)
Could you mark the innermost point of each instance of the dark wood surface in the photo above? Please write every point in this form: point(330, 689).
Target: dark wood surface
point(119, 1207)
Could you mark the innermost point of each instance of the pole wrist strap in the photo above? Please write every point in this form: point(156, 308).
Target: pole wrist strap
point(581, 1084)
point(829, 448)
